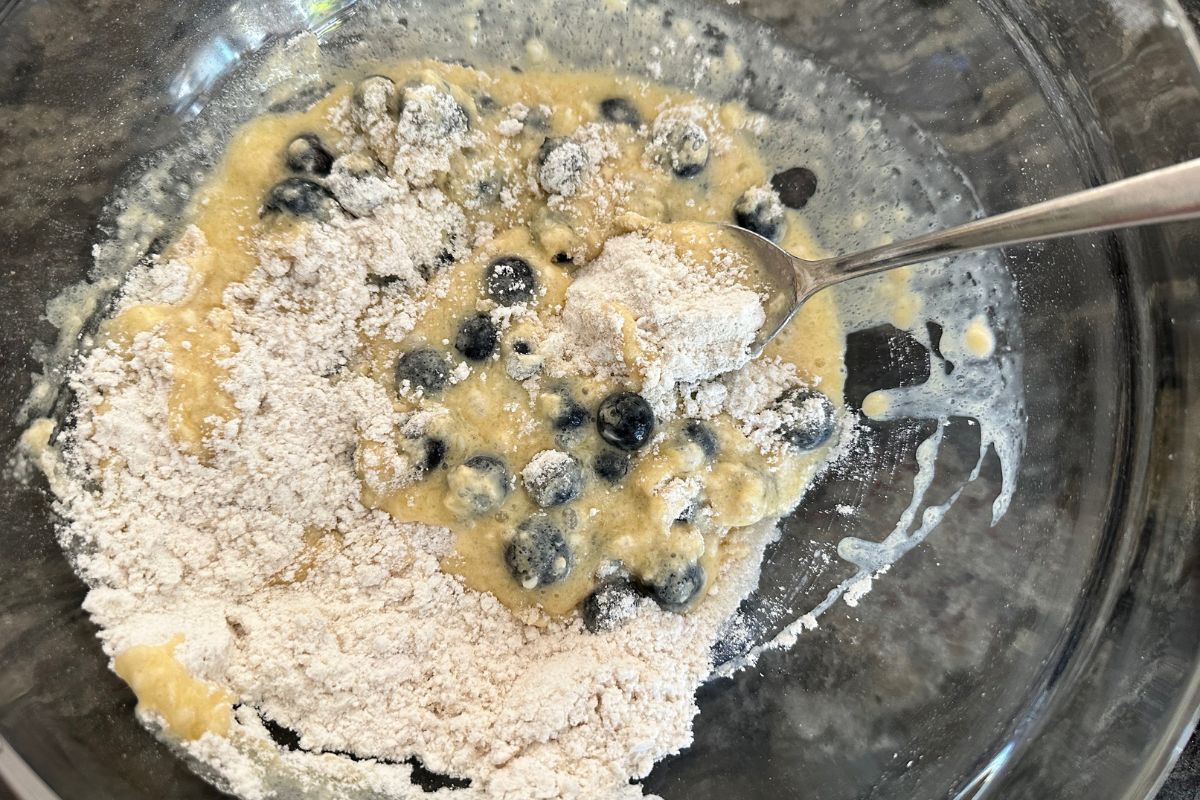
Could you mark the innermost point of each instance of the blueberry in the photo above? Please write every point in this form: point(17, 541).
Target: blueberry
point(687, 148)
point(537, 554)
point(425, 369)
point(610, 604)
point(809, 415)
point(611, 465)
point(522, 347)
point(429, 115)
point(307, 155)
point(702, 436)
point(561, 163)
point(477, 337)
point(553, 478)
point(675, 588)
point(625, 420)
point(300, 197)
point(620, 111)
point(435, 453)
point(478, 485)
point(509, 280)
point(795, 186)
point(568, 415)
point(760, 211)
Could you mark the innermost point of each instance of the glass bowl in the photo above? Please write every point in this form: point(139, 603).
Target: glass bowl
point(1052, 655)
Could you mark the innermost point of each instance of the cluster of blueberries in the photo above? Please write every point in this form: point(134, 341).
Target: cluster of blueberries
point(685, 151)
point(538, 554)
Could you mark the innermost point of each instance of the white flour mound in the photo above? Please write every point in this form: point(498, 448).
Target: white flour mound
point(680, 323)
point(335, 620)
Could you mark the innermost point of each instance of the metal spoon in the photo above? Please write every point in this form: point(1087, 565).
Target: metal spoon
point(1164, 195)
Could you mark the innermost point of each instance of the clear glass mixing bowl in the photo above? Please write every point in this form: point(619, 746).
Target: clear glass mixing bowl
point(1054, 655)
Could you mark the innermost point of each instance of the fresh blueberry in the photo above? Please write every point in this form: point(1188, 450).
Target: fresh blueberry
point(795, 186)
point(425, 369)
point(306, 154)
point(809, 418)
point(687, 148)
point(537, 554)
point(675, 588)
point(435, 453)
point(478, 485)
point(509, 280)
point(702, 436)
point(553, 478)
point(760, 211)
point(610, 604)
point(561, 163)
point(300, 197)
point(625, 420)
point(477, 337)
point(620, 111)
point(611, 465)
point(428, 115)
point(568, 414)
point(522, 347)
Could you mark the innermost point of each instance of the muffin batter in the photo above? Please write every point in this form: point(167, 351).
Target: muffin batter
point(495, 439)
point(428, 453)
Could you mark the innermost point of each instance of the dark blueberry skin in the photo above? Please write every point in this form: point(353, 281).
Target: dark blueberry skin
point(492, 470)
point(702, 436)
point(759, 216)
point(558, 486)
point(424, 368)
point(522, 347)
point(537, 554)
point(609, 605)
point(675, 589)
point(625, 421)
point(620, 111)
point(815, 421)
point(477, 337)
point(435, 453)
point(300, 197)
point(687, 145)
point(510, 280)
point(612, 465)
point(795, 186)
point(306, 155)
point(571, 416)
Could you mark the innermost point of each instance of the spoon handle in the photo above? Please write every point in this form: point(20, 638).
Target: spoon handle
point(1165, 195)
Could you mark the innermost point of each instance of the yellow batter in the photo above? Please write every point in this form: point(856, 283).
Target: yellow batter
point(489, 412)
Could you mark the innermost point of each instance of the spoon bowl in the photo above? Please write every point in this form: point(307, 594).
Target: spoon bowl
point(1165, 195)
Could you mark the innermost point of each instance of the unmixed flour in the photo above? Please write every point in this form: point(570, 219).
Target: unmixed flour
point(334, 620)
point(366, 647)
point(643, 308)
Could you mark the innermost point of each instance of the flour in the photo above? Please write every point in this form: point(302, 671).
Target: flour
point(335, 620)
point(641, 310)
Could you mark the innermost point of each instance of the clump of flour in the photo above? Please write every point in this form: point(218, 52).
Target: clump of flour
point(642, 311)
